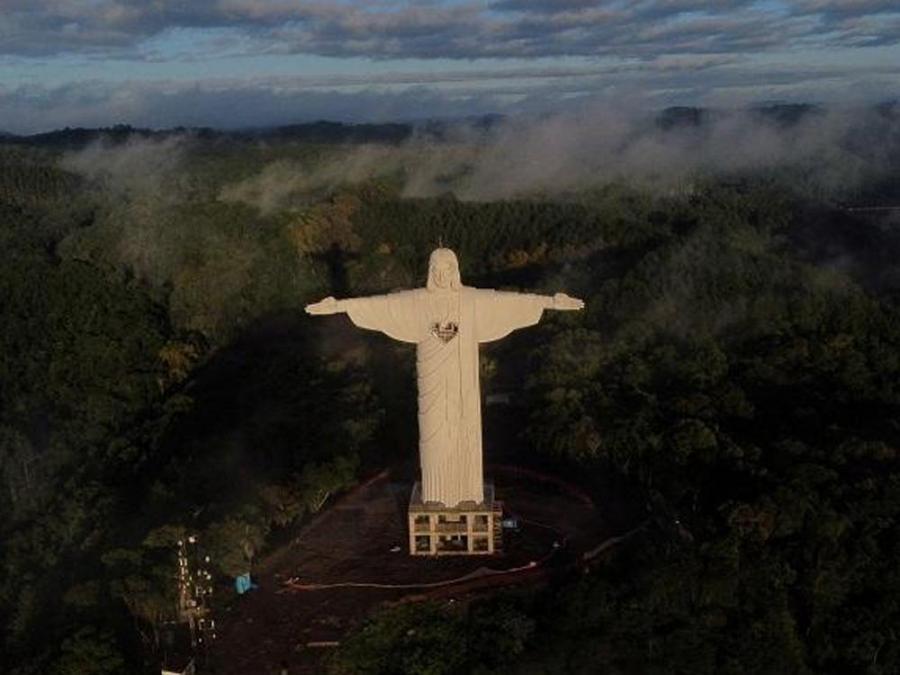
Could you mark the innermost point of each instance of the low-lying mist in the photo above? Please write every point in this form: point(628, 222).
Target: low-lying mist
point(833, 153)
point(227, 224)
point(837, 153)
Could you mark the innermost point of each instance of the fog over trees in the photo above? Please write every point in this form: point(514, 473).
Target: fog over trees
point(737, 370)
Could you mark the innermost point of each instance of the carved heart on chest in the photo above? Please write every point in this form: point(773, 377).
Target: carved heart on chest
point(445, 331)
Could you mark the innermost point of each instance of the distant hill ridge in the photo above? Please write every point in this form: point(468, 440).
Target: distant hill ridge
point(324, 131)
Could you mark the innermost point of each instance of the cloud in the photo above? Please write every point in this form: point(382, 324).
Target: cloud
point(834, 153)
point(542, 6)
point(457, 30)
point(135, 227)
point(702, 79)
point(137, 166)
point(227, 105)
point(846, 7)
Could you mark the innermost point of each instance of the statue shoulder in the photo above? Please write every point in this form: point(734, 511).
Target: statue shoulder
point(401, 294)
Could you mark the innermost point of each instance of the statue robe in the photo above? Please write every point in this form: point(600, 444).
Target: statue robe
point(447, 372)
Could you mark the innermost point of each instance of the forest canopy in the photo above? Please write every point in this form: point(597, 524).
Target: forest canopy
point(737, 369)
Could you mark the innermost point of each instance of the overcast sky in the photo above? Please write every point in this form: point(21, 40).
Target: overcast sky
point(237, 63)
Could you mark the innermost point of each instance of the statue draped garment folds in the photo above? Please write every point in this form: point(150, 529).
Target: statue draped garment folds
point(447, 321)
point(447, 329)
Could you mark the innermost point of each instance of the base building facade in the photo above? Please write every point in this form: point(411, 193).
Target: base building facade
point(469, 528)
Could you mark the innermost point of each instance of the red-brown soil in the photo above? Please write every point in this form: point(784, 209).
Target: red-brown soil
point(351, 542)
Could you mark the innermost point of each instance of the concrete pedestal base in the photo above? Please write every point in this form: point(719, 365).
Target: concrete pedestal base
point(465, 529)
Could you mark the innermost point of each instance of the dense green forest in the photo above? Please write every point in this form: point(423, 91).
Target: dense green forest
point(737, 370)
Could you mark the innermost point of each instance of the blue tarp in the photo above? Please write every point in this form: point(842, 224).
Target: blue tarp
point(243, 583)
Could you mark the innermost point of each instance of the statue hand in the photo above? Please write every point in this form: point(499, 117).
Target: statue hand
point(327, 306)
point(566, 303)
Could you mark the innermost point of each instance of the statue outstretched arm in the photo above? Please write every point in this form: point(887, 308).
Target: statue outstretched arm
point(329, 305)
point(563, 302)
point(501, 312)
point(393, 314)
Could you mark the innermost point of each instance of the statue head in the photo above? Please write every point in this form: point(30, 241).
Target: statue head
point(443, 271)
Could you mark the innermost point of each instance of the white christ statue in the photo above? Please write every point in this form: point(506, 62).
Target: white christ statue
point(447, 321)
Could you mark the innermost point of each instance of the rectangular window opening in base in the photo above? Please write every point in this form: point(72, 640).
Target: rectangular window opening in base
point(453, 543)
